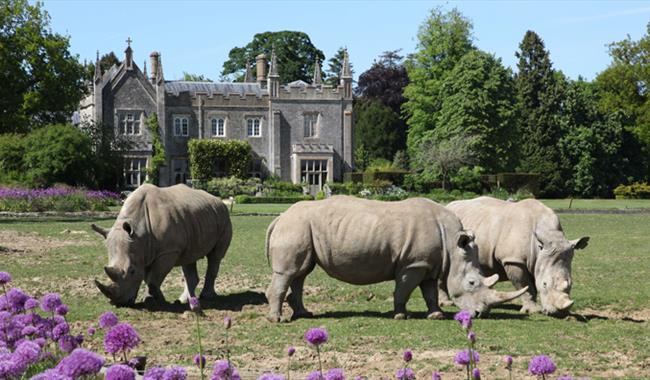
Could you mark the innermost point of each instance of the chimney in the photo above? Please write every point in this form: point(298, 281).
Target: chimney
point(153, 58)
point(261, 69)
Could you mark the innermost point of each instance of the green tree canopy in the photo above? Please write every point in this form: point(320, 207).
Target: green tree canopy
point(377, 128)
point(106, 61)
point(478, 100)
point(334, 67)
point(195, 77)
point(42, 82)
point(443, 39)
point(294, 50)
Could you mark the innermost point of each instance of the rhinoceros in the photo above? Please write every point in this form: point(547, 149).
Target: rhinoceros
point(158, 229)
point(414, 242)
point(523, 242)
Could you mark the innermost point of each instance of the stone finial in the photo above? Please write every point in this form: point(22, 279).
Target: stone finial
point(98, 70)
point(128, 54)
point(248, 77)
point(346, 71)
point(144, 70)
point(317, 80)
point(153, 59)
point(274, 64)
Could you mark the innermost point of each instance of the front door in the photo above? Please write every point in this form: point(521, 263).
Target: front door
point(314, 174)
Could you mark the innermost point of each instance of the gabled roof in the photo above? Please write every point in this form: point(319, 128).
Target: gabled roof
point(210, 88)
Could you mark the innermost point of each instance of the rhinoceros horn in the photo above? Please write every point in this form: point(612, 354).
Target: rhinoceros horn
point(104, 289)
point(491, 281)
point(496, 298)
point(114, 273)
point(100, 230)
point(564, 303)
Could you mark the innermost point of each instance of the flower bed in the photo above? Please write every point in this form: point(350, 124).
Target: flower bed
point(62, 199)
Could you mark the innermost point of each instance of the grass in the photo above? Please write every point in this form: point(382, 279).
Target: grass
point(610, 282)
point(597, 204)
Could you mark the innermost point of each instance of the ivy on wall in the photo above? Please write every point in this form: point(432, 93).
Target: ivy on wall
point(213, 158)
point(158, 156)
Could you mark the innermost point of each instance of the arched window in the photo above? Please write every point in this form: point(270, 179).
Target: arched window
point(218, 127)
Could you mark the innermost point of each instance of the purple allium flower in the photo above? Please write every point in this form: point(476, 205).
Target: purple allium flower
point(335, 374)
point(476, 374)
point(464, 317)
point(16, 299)
point(471, 337)
point(40, 341)
point(199, 361)
point(50, 302)
point(291, 350)
point(51, 374)
point(222, 370)
point(107, 320)
point(80, 363)
point(316, 336)
point(565, 377)
point(60, 330)
point(68, 343)
point(121, 338)
point(175, 373)
point(271, 376)
point(195, 305)
point(31, 304)
point(462, 357)
point(5, 278)
point(227, 322)
point(61, 310)
point(154, 373)
point(28, 331)
point(120, 372)
point(436, 376)
point(508, 360)
point(314, 376)
point(91, 331)
point(27, 353)
point(408, 356)
point(541, 365)
point(405, 374)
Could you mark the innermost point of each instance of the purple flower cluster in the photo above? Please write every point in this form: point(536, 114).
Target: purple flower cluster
point(436, 376)
point(80, 363)
point(175, 373)
point(462, 357)
point(5, 278)
point(316, 336)
point(314, 376)
point(271, 376)
point(464, 317)
point(108, 320)
point(408, 356)
point(50, 302)
point(405, 374)
point(335, 374)
point(27, 194)
point(223, 370)
point(121, 338)
point(199, 361)
point(120, 372)
point(541, 365)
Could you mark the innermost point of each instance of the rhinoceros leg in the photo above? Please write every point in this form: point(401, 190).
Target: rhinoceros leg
point(295, 298)
point(275, 295)
point(155, 276)
point(429, 288)
point(443, 295)
point(407, 280)
point(520, 277)
point(191, 281)
point(214, 262)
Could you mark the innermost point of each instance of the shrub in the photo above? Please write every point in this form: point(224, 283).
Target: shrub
point(213, 158)
point(636, 190)
point(443, 196)
point(285, 199)
point(379, 164)
point(231, 186)
point(320, 195)
point(468, 179)
point(421, 182)
point(395, 177)
point(280, 188)
point(158, 157)
point(12, 150)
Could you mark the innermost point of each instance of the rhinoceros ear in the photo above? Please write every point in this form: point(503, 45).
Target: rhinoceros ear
point(100, 230)
point(580, 243)
point(463, 238)
point(126, 226)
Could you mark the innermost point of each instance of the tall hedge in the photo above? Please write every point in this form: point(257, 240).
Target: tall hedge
point(207, 156)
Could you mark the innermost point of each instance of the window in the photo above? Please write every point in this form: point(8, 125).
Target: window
point(311, 124)
point(181, 126)
point(181, 170)
point(129, 123)
point(253, 127)
point(313, 172)
point(218, 127)
point(135, 173)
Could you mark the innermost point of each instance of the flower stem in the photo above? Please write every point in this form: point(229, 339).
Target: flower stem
point(509, 373)
point(320, 365)
point(289, 368)
point(228, 356)
point(467, 368)
point(198, 337)
point(126, 361)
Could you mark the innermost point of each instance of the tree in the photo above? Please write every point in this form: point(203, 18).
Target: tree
point(443, 39)
point(478, 100)
point(539, 99)
point(335, 66)
point(361, 158)
point(375, 129)
point(108, 155)
point(195, 77)
point(295, 53)
point(443, 158)
point(105, 63)
point(384, 81)
point(42, 83)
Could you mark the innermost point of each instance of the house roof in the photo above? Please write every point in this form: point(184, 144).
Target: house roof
point(210, 88)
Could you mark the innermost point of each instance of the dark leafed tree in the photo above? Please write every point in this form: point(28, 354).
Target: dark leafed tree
point(105, 63)
point(295, 53)
point(443, 38)
point(539, 98)
point(40, 81)
point(334, 66)
point(385, 81)
point(377, 128)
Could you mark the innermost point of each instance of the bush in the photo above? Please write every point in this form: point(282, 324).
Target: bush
point(513, 182)
point(286, 199)
point(636, 190)
point(320, 195)
point(467, 179)
point(379, 164)
point(231, 186)
point(214, 158)
point(279, 188)
point(421, 182)
point(12, 150)
point(395, 177)
point(443, 196)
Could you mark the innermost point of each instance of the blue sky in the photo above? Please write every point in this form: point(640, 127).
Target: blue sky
point(195, 36)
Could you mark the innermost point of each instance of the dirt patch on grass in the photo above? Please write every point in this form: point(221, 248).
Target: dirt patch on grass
point(639, 316)
point(14, 242)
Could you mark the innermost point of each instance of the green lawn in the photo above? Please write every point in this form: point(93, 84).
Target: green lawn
point(611, 289)
point(597, 204)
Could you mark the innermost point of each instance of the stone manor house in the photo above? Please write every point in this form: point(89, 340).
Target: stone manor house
point(301, 132)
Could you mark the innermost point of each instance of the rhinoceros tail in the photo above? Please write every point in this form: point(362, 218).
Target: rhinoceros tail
point(269, 231)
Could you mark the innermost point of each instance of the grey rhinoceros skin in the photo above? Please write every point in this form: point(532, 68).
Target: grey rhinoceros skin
point(158, 229)
point(523, 242)
point(414, 242)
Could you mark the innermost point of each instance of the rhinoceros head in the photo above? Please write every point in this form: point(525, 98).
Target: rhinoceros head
point(467, 287)
point(126, 263)
point(553, 271)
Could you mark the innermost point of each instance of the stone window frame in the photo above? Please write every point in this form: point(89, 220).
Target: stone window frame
point(261, 124)
point(121, 116)
point(213, 119)
point(314, 127)
point(180, 118)
point(140, 171)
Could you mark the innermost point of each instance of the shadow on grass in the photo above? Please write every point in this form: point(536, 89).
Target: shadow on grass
point(230, 302)
point(411, 315)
